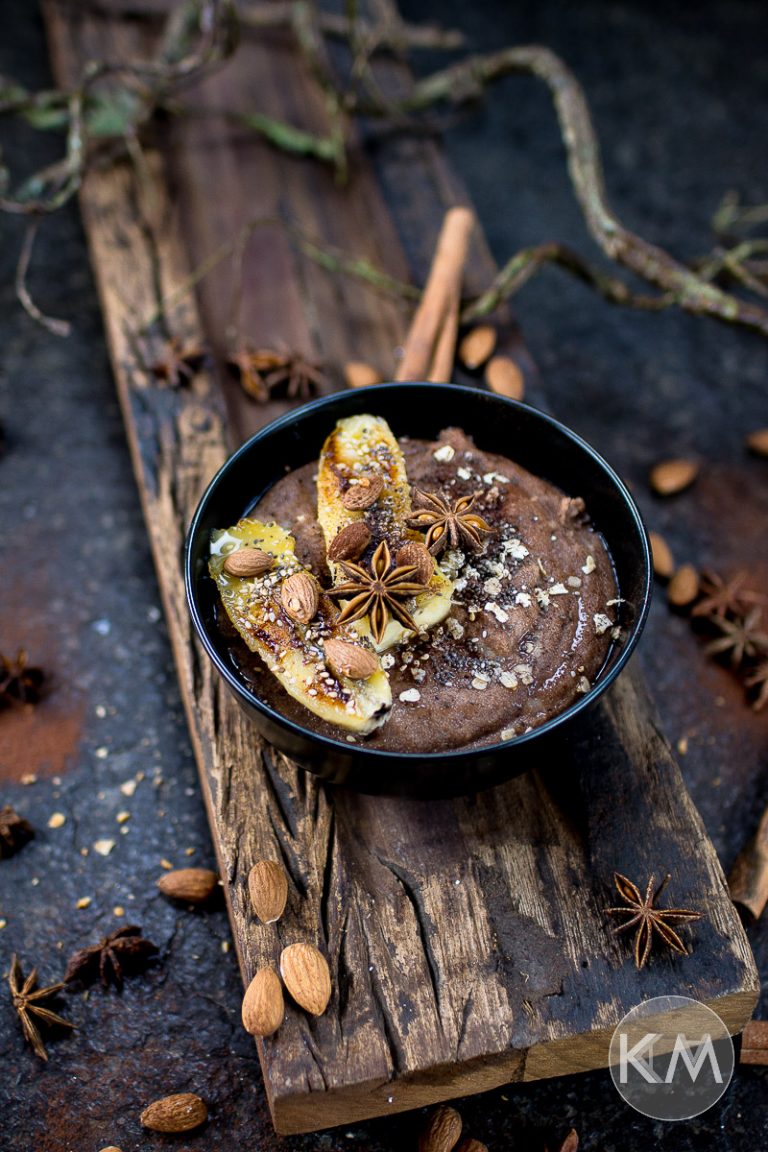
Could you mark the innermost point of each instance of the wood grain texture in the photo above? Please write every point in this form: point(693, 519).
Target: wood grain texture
point(466, 938)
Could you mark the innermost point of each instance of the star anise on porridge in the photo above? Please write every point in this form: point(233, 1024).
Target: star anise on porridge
point(452, 525)
point(15, 831)
point(178, 362)
point(377, 593)
point(27, 1000)
point(741, 638)
point(20, 682)
point(262, 371)
point(722, 597)
point(646, 918)
point(124, 948)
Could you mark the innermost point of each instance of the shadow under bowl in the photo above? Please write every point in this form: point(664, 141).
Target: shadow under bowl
point(521, 433)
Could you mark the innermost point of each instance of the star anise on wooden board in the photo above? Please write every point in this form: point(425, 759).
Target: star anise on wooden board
point(262, 371)
point(721, 597)
point(377, 593)
point(646, 918)
point(454, 525)
point(741, 638)
point(27, 1000)
point(20, 682)
point(124, 948)
point(15, 831)
point(178, 362)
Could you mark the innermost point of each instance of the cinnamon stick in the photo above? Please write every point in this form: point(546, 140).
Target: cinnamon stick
point(748, 881)
point(431, 341)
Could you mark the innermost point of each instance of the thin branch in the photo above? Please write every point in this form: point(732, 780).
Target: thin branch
point(388, 39)
point(528, 261)
point(646, 260)
point(57, 327)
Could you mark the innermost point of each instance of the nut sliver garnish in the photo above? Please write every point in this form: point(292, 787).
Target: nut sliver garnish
point(291, 649)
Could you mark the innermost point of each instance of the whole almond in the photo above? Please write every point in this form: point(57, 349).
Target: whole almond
point(503, 376)
point(306, 976)
point(300, 597)
point(469, 1144)
point(350, 660)
point(442, 1131)
point(363, 494)
point(193, 885)
point(247, 562)
point(477, 346)
point(179, 1113)
point(263, 1004)
point(415, 555)
point(358, 374)
point(268, 889)
point(683, 587)
point(672, 476)
point(663, 562)
point(757, 442)
point(350, 542)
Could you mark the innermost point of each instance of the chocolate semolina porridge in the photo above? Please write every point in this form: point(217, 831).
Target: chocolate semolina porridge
point(534, 602)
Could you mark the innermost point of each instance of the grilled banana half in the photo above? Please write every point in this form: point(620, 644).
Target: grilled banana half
point(293, 650)
point(356, 458)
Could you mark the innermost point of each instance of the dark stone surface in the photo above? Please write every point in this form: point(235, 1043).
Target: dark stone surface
point(677, 92)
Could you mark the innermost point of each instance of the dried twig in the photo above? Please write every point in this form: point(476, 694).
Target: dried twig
point(57, 327)
point(385, 36)
point(679, 284)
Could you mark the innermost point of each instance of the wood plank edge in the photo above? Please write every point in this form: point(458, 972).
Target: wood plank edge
point(303, 1112)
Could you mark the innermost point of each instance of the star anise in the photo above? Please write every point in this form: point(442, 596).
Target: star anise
point(377, 593)
point(569, 1144)
point(20, 683)
point(27, 1002)
point(454, 525)
point(15, 831)
point(178, 362)
point(758, 678)
point(264, 370)
point(740, 638)
point(124, 948)
point(647, 919)
point(726, 597)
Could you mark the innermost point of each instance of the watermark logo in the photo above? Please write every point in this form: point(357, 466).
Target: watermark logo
point(671, 1058)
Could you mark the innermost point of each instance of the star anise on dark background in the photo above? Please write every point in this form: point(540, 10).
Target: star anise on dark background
point(178, 362)
point(262, 371)
point(758, 678)
point(20, 682)
point(15, 831)
point(740, 638)
point(721, 597)
point(646, 918)
point(377, 593)
point(454, 525)
point(569, 1144)
point(27, 1000)
point(123, 949)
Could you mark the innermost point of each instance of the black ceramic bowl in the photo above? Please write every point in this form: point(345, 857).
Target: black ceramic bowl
point(523, 434)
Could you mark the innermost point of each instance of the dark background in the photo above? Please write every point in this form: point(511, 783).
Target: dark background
point(679, 95)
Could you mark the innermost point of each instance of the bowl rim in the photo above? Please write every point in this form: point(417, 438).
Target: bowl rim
point(458, 755)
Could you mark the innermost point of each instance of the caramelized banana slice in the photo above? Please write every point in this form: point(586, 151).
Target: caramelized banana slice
point(362, 477)
point(294, 651)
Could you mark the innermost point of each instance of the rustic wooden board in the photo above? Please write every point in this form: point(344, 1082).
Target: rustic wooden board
point(466, 938)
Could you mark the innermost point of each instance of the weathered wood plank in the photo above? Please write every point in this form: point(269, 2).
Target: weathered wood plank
point(465, 937)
